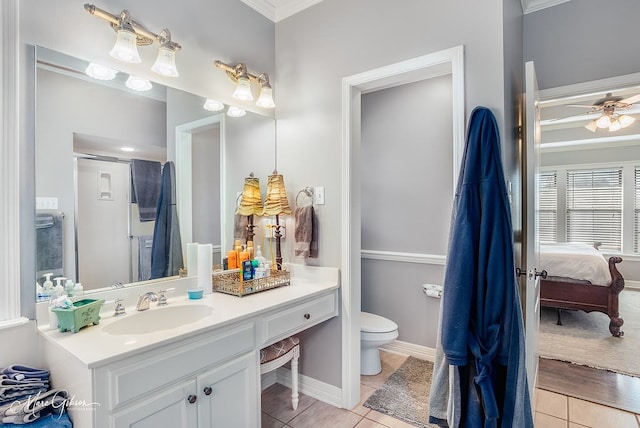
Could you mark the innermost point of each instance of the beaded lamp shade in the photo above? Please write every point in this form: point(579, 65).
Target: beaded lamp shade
point(251, 202)
point(276, 202)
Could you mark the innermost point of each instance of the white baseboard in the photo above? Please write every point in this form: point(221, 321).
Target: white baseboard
point(417, 351)
point(306, 385)
point(633, 285)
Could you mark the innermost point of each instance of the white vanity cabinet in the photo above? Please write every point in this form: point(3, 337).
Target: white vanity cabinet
point(210, 382)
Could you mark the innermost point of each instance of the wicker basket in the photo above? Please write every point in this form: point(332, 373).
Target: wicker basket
point(228, 281)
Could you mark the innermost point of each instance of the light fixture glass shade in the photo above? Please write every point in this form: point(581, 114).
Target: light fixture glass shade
point(592, 126)
point(213, 105)
point(276, 202)
point(165, 64)
point(626, 120)
point(615, 125)
point(125, 48)
point(236, 111)
point(100, 72)
point(603, 121)
point(243, 90)
point(251, 202)
point(138, 83)
point(266, 98)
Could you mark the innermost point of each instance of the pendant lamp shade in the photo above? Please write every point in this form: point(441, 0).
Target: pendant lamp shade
point(276, 202)
point(251, 202)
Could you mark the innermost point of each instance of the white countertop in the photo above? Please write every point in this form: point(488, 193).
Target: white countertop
point(94, 347)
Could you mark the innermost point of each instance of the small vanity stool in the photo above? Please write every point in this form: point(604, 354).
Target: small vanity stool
point(279, 354)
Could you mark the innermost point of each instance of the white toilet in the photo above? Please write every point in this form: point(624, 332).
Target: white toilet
point(375, 331)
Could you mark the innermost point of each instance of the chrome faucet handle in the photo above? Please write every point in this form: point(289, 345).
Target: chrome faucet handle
point(162, 298)
point(119, 308)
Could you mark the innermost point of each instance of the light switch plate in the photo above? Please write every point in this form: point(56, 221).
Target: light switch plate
point(318, 195)
point(46, 203)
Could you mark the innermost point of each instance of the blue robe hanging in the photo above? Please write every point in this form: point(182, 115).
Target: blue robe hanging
point(482, 334)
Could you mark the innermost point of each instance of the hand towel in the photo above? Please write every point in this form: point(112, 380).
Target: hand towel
point(145, 183)
point(304, 232)
point(34, 407)
point(20, 372)
point(240, 223)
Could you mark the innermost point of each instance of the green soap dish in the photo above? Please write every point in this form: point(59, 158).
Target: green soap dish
point(83, 313)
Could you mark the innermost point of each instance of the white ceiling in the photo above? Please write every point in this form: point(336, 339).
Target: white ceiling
point(277, 10)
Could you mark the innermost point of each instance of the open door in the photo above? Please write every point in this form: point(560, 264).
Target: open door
point(530, 170)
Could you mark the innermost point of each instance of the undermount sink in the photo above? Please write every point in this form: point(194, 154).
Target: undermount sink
point(156, 319)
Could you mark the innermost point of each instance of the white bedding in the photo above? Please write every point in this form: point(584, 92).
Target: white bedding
point(577, 261)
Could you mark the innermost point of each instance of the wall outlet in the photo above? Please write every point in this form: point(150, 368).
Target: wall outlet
point(268, 225)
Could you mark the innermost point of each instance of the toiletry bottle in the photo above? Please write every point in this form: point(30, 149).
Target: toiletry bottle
point(59, 289)
point(250, 249)
point(47, 285)
point(68, 287)
point(232, 259)
point(78, 290)
point(238, 248)
point(259, 256)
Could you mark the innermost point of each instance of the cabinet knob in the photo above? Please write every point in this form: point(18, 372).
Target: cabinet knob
point(307, 316)
point(192, 399)
point(207, 390)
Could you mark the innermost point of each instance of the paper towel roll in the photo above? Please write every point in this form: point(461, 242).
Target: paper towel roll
point(205, 260)
point(192, 258)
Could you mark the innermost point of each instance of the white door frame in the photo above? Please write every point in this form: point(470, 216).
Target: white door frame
point(184, 195)
point(449, 61)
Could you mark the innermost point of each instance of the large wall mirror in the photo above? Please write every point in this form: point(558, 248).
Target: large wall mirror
point(88, 134)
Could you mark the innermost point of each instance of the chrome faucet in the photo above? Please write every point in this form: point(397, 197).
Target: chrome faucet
point(143, 301)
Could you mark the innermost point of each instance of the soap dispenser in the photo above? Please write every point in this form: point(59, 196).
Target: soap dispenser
point(69, 287)
point(259, 257)
point(47, 286)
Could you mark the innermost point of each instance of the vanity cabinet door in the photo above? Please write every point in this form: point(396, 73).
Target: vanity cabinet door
point(228, 395)
point(171, 407)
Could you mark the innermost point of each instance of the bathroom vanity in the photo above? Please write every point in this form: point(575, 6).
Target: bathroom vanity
point(192, 363)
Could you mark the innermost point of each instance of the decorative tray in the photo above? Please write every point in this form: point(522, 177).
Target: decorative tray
point(228, 281)
point(82, 313)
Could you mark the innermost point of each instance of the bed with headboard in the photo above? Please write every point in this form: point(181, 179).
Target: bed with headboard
point(580, 278)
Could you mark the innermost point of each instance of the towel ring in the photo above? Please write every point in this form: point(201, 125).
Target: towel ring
point(238, 199)
point(308, 191)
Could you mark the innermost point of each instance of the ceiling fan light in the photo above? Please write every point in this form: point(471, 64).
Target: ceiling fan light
point(615, 125)
point(626, 120)
point(603, 121)
point(592, 126)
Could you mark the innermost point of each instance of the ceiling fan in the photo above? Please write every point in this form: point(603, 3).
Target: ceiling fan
point(609, 116)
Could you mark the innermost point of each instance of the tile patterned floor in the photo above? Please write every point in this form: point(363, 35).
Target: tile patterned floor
point(552, 410)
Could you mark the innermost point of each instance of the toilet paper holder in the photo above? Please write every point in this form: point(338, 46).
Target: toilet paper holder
point(432, 290)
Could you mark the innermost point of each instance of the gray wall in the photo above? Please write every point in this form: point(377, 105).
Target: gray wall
point(582, 40)
point(334, 39)
point(407, 165)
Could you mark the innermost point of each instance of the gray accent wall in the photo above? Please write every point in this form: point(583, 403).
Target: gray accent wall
point(583, 40)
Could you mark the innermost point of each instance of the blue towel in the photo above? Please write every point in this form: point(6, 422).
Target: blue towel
point(49, 421)
point(145, 183)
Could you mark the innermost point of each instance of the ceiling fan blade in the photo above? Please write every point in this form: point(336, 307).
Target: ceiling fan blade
point(631, 100)
point(570, 116)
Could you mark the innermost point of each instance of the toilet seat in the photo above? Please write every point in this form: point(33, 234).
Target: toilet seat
point(372, 323)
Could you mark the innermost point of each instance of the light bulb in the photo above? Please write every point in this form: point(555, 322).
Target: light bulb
point(615, 125)
point(626, 120)
point(243, 90)
point(165, 64)
point(125, 48)
point(100, 72)
point(603, 122)
point(236, 111)
point(591, 126)
point(213, 105)
point(266, 98)
point(138, 83)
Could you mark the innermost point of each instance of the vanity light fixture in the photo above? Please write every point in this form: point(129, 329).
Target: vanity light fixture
point(138, 83)
point(213, 105)
point(234, 111)
point(132, 34)
point(239, 74)
point(100, 72)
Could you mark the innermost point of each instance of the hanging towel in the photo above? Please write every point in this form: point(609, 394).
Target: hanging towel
point(482, 330)
point(145, 245)
point(166, 251)
point(240, 223)
point(306, 244)
point(49, 246)
point(145, 184)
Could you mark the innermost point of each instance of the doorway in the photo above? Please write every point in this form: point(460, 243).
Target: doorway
point(449, 61)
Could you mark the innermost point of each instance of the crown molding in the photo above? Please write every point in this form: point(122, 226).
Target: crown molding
point(529, 6)
point(277, 10)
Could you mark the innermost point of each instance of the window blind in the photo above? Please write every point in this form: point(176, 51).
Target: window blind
point(547, 206)
point(594, 207)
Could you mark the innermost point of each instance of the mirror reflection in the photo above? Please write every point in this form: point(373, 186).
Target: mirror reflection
point(94, 220)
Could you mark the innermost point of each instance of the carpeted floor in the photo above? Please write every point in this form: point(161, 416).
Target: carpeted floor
point(585, 339)
point(405, 394)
